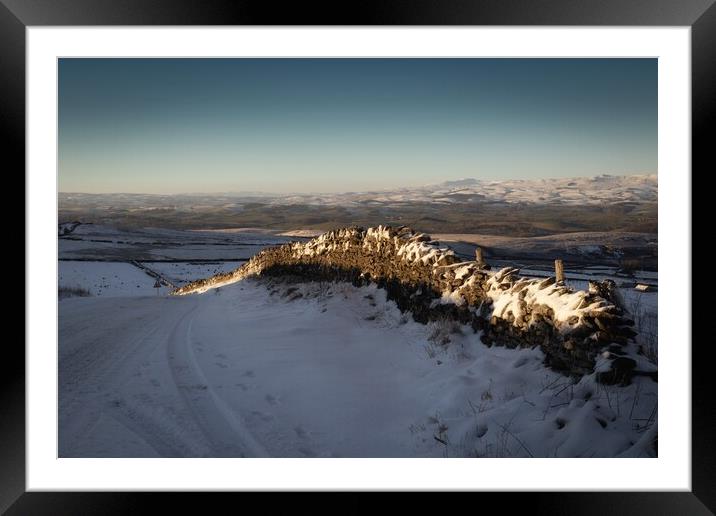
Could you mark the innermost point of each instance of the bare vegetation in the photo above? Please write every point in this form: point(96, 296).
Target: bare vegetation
point(646, 324)
point(442, 329)
point(630, 265)
point(65, 292)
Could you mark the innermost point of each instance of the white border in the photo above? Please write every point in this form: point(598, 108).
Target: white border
point(672, 470)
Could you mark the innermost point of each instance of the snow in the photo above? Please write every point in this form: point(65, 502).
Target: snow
point(418, 247)
point(189, 252)
point(510, 295)
point(463, 272)
point(304, 233)
point(534, 292)
point(107, 279)
point(181, 273)
point(423, 252)
point(99, 242)
point(122, 279)
point(576, 191)
point(325, 370)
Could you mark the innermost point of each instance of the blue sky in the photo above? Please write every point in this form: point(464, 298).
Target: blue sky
point(331, 125)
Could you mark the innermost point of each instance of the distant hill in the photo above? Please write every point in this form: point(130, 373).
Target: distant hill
point(508, 207)
point(566, 191)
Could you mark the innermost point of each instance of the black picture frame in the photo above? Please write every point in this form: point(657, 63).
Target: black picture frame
point(700, 15)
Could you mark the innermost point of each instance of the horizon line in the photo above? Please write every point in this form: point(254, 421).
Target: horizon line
point(368, 191)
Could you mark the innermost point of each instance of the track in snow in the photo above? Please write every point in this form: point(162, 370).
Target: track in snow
point(245, 371)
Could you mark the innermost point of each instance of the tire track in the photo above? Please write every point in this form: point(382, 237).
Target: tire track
point(92, 380)
point(163, 439)
point(91, 366)
point(221, 425)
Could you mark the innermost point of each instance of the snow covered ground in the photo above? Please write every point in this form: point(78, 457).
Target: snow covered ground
point(107, 279)
point(181, 273)
point(590, 244)
point(100, 242)
point(576, 191)
point(311, 370)
point(122, 279)
point(315, 370)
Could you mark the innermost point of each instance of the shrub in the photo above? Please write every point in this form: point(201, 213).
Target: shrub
point(442, 329)
point(630, 265)
point(64, 292)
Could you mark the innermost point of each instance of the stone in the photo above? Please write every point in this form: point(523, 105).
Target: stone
point(381, 256)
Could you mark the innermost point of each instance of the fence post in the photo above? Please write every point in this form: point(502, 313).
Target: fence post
point(478, 257)
point(559, 271)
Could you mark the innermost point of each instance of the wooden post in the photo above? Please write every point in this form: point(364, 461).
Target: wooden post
point(478, 257)
point(559, 271)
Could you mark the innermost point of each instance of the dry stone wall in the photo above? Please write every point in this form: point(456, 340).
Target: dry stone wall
point(579, 332)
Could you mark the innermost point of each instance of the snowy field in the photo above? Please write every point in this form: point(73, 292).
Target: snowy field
point(574, 191)
point(98, 242)
point(585, 249)
point(181, 273)
point(121, 279)
point(107, 279)
point(313, 370)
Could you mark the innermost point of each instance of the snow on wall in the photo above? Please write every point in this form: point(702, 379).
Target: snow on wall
point(577, 330)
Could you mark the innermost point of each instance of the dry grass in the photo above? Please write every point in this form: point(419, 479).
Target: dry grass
point(442, 329)
point(646, 325)
point(630, 265)
point(65, 292)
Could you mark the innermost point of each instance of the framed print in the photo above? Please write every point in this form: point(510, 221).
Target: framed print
point(416, 250)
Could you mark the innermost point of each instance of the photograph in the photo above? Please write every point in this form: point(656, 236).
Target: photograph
point(342, 257)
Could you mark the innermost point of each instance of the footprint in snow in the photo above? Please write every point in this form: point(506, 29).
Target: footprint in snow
point(271, 400)
point(520, 362)
point(262, 416)
point(307, 452)
point(468, 380)
point(300, 432)
point(195, 387)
